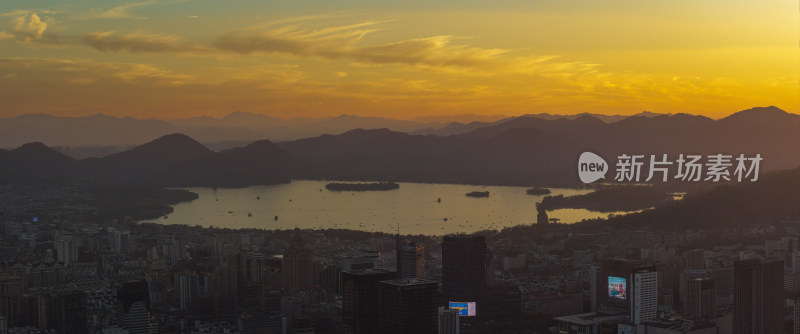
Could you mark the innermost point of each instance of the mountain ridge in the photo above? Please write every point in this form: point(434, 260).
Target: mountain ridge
point(106, 130)
point(525, 151)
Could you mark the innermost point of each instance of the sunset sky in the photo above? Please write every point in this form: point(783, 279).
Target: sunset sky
point(183, 58)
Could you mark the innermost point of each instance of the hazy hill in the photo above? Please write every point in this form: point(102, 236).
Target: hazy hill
point(81, 136)
point(103, 130)
point(278, 129)
point(456, 128)
point(769, 131)
point(148, 158)
point(531, 150)
point(773, 198)
point(261, 162)
point(35, 162)
point(521, 151)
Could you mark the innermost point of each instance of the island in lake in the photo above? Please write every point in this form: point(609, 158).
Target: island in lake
point(478, 194)
point(362, 186)
point(538, 191)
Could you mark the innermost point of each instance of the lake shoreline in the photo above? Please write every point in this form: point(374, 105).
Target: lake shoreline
point(419, 208)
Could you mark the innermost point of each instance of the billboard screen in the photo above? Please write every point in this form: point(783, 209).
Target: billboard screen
point(617, 287)
point(465, 309)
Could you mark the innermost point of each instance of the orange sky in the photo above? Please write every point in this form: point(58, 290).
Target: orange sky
point(176, 58)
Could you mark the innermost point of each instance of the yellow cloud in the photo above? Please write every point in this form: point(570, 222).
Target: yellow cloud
point(118, 12)
point(29, 27)
point(137, 42)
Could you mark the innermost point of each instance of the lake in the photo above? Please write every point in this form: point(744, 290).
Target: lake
point(415, 207)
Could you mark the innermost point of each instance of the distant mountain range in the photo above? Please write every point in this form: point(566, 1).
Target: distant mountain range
point(529, 150)
point(102, 130)
point(100, 135)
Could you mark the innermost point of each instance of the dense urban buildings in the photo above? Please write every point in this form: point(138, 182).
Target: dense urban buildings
point(128, 277)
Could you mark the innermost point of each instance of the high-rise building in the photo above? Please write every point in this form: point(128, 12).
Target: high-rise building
point(122, 240)
point(229, 284)
point(685, 277)
point(298, 265)
point(187, 290)
point(448, 321)
point(612, 287)
point(758, 296)
point(330, 278)
point(132, 309)
point(66, 249)
point(723, 284)
point(408, 306)
point(796, 315)
point(361, 299)
point(47, 275)
point(774, 248)
point(644, 294)
point(45, 310)
point(796, 262)
point(700, 298)
point(464, 269)
point(694, 259)
point(410, 259)
point(70, 312)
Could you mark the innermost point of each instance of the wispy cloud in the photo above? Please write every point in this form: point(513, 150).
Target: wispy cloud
point(23, 12)
point(292, 37)
point(119, 12)
point(87, 71)
point(344, 42)
point(138, 42)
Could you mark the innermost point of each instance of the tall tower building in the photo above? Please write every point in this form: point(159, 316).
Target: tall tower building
point(410, 259)
point(758, 296)
point(188, 290)
point(298, 265)
point(644, 294)
point(449, 321)
point(408, 306)
point(361, 300)
point(66, 249)
point(228, 278)
point(132, 310)
point(611, 291)
point(796, 315)
point(70, 312)
point(463, 267)
point(701, 301)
